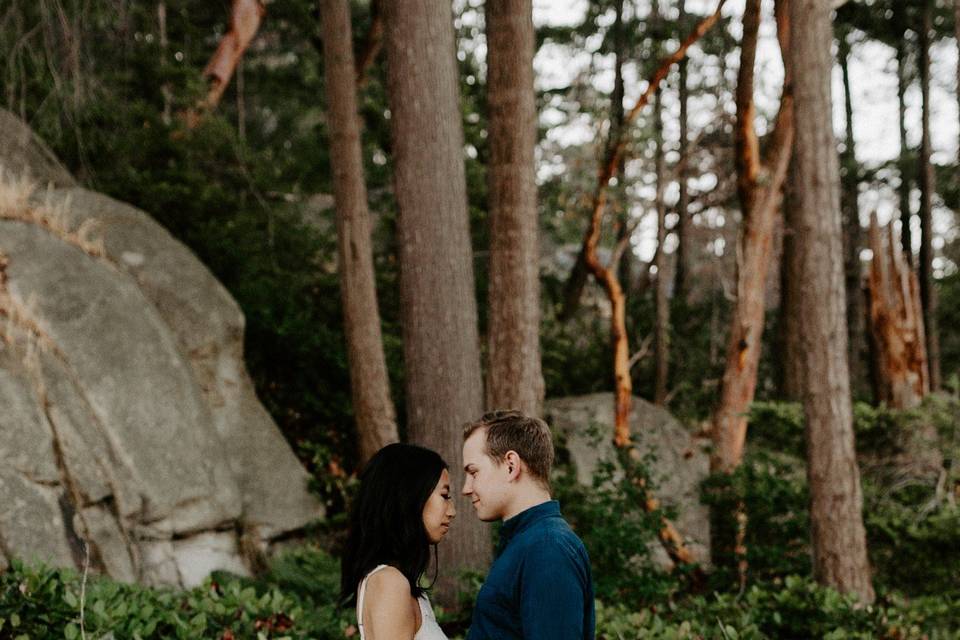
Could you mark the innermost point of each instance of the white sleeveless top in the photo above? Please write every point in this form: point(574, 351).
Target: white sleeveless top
point(429, 629)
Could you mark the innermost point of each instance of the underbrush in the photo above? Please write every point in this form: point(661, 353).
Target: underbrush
point(910, 513)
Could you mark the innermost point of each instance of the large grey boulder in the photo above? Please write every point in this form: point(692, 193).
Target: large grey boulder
point(583, 427)
point(129, 426)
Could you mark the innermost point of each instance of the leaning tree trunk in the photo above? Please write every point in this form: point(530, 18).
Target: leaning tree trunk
point(441, 345)
point(370, 385)
point(245, 18)
point(928, 292)
point(837, 532)
point(852, 235)
point(896, 323)
point(514, 378)
point(759, 185)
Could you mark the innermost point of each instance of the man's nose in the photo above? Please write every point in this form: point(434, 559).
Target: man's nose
point(467, 489)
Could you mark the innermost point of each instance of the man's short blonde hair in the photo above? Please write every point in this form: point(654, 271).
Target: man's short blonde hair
point(511, 430)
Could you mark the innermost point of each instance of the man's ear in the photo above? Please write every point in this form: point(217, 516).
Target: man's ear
point(512, 461)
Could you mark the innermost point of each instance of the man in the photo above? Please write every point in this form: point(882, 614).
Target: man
point(539, 585)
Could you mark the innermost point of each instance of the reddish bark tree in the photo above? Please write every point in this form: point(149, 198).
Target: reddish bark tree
point(759, 186)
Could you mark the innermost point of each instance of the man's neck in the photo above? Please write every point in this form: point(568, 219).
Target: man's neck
point(526, 500)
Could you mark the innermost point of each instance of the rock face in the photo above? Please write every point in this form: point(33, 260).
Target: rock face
point(128, 423)
point(680, 462)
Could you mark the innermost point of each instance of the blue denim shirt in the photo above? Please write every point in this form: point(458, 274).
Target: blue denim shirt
point(539, 586)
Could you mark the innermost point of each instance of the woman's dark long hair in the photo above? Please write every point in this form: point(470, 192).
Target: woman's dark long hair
point(386, 520)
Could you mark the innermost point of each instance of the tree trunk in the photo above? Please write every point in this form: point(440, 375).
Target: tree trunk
point(441, 345)
point(789, 334)
point(683, 203)
point(245, 18)
point(514, 379)
point(165, 90)
point(852, 235)
point(896, 323)
point(662, 324)
point(759, 186)
point(838, 538)
point(370, 385)
point(899, 13)
point(617, 114)
point(928, 292)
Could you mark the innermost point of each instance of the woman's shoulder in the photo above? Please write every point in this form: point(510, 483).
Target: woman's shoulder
point(387, 582)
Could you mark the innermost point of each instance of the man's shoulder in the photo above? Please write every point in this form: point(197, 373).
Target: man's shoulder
point(552, 535)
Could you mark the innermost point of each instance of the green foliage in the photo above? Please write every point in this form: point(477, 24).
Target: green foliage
point(40, 602)
point(619, 532)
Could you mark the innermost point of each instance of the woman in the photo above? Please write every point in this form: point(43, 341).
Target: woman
point(404, 506)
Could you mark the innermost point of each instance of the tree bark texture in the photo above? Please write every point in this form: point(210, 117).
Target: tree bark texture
point(928, 292)
point(370, 385)
point(606, 275)
point(661, 354)
point(837, 532)
point(759, 185)
point(896, 323)
point(441, 344)
point(514, 377)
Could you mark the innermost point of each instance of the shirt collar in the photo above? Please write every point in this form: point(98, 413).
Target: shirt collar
point(513, 526)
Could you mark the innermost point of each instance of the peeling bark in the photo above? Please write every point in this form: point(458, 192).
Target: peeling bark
point(896, 323)
point(759, 186)
point(245, 18)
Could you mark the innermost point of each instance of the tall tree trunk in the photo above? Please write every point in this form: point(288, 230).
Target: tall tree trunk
point(165, 91)
point(514, 379)
point(836, 503)
point(899, 12)
point(662, 324)
point(759, 185)
point(852, 234)
point(789, 334)
point(370, 385)
point(441, 345)
point(682, 268)
point(928, 291)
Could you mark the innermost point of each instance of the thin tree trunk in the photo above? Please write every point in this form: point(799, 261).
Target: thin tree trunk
point(514, 378)
point(852, 235)
point(928, 291)
point(904, 160)
point(683, 203)
point(789, 334)
point(662, 324)
point(370, 385)
point(617, 114)
point(607, 275)
point(441, 345)
point(245, 19)
point(614, 156)
point(372, 43)
point(759, 184)
point(838, 538)
point(165, 91)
